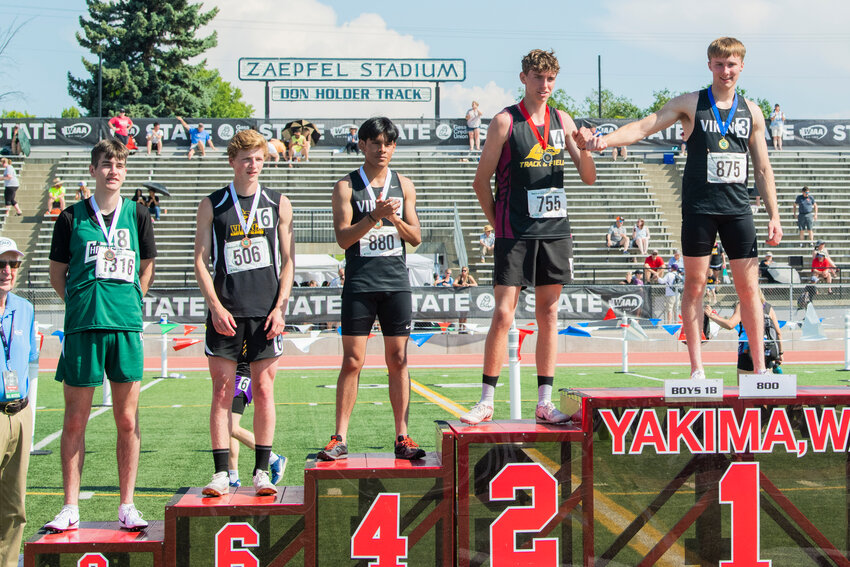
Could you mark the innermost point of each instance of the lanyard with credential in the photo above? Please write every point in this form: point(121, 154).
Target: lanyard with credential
point(7, 343)
point(108, 234)
point(246, 227)
point(368, 185)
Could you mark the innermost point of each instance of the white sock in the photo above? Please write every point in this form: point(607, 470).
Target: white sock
point(125, 507)
point(75, 508)
point(544, 393)
point(234, 475)
point(488, 392)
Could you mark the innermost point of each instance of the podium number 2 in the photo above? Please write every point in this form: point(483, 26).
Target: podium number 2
point(739, 487)
point(377, 537)
point(518, 519)
point(226, 554)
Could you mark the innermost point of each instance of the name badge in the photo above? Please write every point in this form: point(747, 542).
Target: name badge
point(246, 254)
point(11, 384)
point(383, 241)
point(728, 167)
point(688, 389)
point(547, 203)
point(768, 386)
point(115, 264)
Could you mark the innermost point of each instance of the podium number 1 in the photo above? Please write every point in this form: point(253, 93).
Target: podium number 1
point(739, 487)
point(377, 537)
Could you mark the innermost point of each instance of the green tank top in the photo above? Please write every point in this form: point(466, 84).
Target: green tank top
point(103, 293)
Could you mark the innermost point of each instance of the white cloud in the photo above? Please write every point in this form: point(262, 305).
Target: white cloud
point(457, 98)
point(307, 28)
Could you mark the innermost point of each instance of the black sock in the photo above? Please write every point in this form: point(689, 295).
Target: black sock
point(490, 380)
point(262, 453)
point(220, 459)
point(545, 380)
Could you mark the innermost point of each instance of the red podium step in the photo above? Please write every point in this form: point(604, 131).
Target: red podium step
point(374, 507)
point(237, 528)
point(97, 544)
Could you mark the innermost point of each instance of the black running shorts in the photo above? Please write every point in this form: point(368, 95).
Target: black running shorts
point(250, 334)
point(737, 233)
point(394, 310)
point(530, 263)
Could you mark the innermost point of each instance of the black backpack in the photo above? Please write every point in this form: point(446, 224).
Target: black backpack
point(771, 338)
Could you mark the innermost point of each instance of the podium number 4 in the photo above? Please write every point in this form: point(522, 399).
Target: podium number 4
point(377, 537)
point(228, 555)
point(739, 487)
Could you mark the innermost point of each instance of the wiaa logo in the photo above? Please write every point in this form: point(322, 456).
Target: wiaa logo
point(604, 129)
point(630, 302)
point(813, 132)
point(342, 131)
point(78, 130)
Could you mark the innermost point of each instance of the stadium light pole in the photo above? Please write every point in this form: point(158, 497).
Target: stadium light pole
point(599, 83)
point(99, 91)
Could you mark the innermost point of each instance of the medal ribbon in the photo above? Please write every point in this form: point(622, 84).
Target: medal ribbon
point(723, 126)
point(7, 343)
point(108, 234)
point(246, 228)
point(368, 185)
point(543, 140)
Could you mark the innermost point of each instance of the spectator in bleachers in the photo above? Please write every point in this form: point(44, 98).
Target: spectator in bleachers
point(711, 287)
point(764, 267)
point(617, 236)
point(198, 138)
point(277, 150)
point(154, 138)
point(823, 268)
point(446, 281)
point(299, 146)
point(620, 151)
point(15, 143)
point(83, 192)
point(676, 263)
point(473, 126)
point(56, 195)
point(820, 246)
point(653, 267)
point(637, 278)
point(806, 211)
point(351, 141)
point(120, 126)
point(339, 281)
point(777, 127)
point(465, 279)
point(10, 185)
point(640, 236)
point(152, 202)
point(487, 241)
point(138, 197)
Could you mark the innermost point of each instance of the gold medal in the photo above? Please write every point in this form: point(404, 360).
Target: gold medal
point(109, 254)
point(246, 242)
point(723, 144)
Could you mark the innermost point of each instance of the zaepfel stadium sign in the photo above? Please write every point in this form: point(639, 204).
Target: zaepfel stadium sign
point(298, 69)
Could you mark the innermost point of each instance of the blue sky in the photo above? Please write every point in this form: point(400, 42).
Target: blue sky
point(798, 52)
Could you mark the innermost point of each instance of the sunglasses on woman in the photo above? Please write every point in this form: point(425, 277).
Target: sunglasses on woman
point(14, 264)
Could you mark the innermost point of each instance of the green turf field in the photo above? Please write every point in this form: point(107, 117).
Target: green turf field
point(174, 417)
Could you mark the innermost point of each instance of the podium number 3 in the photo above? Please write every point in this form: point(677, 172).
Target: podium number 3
point(377, 537)
point(518, 519)
point(739, 487)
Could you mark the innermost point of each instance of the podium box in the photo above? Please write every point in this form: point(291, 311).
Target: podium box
point(346, 491)
point(271, 528)
point(97, 544)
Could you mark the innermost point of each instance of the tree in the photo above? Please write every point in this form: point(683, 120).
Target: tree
point(612, 106)
point(562, 101)
point(15, 114)
point(226, 99)
point(72, 112)
point(662, 97)
point(146, 46)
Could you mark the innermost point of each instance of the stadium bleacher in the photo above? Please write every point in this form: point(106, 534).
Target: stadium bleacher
point(443, 180)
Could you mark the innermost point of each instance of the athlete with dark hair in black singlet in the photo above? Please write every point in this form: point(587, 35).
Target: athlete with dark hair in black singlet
point(374, 213)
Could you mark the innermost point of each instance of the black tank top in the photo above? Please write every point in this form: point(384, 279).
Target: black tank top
point(377, 262)
point(525, 166)
point(246, 277)
point(726, 193)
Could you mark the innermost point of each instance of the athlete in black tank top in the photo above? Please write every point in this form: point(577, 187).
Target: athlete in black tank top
point(246, 232)
point(723, 131)
point(374, 211)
